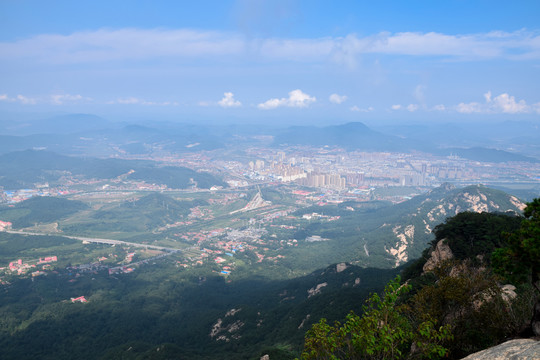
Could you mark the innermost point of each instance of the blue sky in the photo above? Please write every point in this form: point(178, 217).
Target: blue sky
point(273, 61)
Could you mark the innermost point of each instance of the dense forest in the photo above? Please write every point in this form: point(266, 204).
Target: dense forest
point(159, 312)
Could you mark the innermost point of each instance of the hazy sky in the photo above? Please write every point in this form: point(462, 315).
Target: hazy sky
point(287, 61)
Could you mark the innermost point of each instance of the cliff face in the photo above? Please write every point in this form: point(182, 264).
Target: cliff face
point(441, 252)
point(412, 231)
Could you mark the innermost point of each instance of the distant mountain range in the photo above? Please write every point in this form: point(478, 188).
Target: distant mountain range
point(485, 155)
point(351, 136)
point(357, 136)
point(91, 135)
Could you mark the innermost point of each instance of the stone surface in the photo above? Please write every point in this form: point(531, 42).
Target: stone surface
point(442, 252)
point(340, 267)
point(520, 349)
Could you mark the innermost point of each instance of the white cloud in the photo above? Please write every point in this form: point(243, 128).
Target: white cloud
point(272, 104)
point(337, 99)
point(439, 107)
point(358, 109)
point(63, 98)
point(129, 101)
point(508, 104)
point(503, 103)
point(396, 107)
point(137, 101)
point(20, 99)
point(5, 97)
point(229, 101)
point(412, 107)
point(123, 44)
point(469, 108)
point(296, 98)
point(26, 100)
point(536, 107)
point(136, 44)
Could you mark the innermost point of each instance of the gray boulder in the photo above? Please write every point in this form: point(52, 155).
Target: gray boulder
point(520, 349)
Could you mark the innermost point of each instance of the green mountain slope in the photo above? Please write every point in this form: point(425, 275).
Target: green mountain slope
point(387, 236)
point(23, 169)
point(143, 214)
point(40, 210)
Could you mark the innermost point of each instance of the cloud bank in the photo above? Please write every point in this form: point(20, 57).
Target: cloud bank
point(503, 103)
point(132, 44)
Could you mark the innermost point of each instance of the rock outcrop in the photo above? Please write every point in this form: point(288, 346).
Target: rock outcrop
point(340, 267)
point(441, 252)
point(316, 290)
point(520, 349)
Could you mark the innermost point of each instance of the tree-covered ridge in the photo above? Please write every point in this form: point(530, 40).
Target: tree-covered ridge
point(23, 169)
point(471, 234)
point(142, 214)
point(519, 260)
point(459, 305)
point(163, 307)
point(40, 209)
point(367, 232)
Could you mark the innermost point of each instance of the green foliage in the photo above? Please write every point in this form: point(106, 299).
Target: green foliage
point(470, 234)
point(175, 177)
point(139, 215)
point(40, 209)
point(470, 301)
point(383, 332)
point(520, 260)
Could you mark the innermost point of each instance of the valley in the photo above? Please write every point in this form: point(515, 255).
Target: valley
point(234, 243)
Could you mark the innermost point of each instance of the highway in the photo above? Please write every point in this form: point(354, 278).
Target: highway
point(105, 241)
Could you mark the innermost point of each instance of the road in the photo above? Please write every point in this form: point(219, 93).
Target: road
point(105, 241)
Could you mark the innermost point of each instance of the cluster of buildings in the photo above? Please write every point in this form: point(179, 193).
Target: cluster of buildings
point(5, 225)
point(324, 180)
point(338, 169)
point(19, 267)
point(320, 216)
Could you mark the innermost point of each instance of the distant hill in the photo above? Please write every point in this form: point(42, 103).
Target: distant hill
point(506, 133)
point(91, 134)
point(23, 169)
point(143, 214)
point(357, 136)
point(385, 235)
point(58, 125)
point(71, 123)
point(138, 139)
point(351, 136)
point(40, 209)
point(408, 232)
point(486, 155)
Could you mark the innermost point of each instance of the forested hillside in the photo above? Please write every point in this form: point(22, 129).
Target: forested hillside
point(474, 287)
point(23, 169)
point(454, 304)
